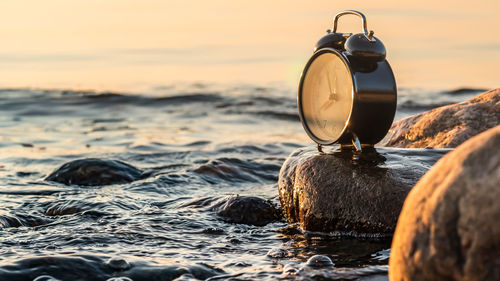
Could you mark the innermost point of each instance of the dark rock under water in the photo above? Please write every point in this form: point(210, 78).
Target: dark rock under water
point(95, 172)
point(251, 210)
point(248, 210)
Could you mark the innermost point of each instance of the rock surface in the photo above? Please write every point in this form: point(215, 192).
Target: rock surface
point(447, 126)
point(330, 192)
point(448, 228)
point(250, 210)
point(95, 172)
point(247, 210)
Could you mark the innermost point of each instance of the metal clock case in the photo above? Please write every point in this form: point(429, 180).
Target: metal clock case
point(347, 91)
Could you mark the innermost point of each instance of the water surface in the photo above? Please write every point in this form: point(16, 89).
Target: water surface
point(198, 141)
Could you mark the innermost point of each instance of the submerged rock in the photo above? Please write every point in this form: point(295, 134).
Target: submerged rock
point(448, 228)
point(250, 210)
point(18, 220)
point(447, 126)
point(118, 263)
point(331, 192)
point(95, 172)
point(247, 210)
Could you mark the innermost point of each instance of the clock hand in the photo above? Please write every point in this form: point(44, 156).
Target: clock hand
point(326, 105)
point(329, 83)
point(334, 92)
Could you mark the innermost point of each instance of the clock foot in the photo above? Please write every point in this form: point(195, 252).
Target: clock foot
point(320, 148)
point(355, 142)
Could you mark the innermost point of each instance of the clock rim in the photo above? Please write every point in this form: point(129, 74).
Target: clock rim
point(300, 93)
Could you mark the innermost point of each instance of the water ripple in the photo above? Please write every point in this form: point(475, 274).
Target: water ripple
point(190, 153)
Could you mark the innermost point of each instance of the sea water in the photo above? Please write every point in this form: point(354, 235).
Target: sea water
point(151, 229)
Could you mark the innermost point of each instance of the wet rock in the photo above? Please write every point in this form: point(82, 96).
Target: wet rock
point(239, 209)
point(447, 126)
point(95, 172)
point(118, 263)
point(247, 210)
point(448, 228)
point(333, 192)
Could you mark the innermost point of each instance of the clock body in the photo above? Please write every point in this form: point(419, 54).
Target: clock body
point(342, 97)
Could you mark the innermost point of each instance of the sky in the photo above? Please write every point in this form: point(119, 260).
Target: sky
point(132, 45)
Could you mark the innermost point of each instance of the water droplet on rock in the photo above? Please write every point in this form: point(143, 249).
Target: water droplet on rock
point(318, 261)
point(278, 253)
point(290, 269)
point(45, 278)
point(119, 279)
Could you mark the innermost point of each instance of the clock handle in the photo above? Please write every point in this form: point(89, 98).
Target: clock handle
point(368, 35)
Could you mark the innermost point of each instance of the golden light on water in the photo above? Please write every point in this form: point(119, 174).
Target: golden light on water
point(127, 45)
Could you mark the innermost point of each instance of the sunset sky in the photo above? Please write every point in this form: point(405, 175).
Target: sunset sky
point(131, 45)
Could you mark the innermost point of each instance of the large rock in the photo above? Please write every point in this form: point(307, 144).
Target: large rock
point(449, 227)
point(330, 192)
point(94, 172)
point(447, 126)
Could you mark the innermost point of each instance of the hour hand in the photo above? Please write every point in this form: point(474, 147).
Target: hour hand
point(326, 105)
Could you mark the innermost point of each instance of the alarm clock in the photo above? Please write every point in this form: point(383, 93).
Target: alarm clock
point(347, 92)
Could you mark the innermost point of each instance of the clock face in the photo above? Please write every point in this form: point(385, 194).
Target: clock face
point(326, 97)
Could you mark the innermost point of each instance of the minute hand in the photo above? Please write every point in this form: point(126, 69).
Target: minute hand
point(329, 82)
point(332, 93)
